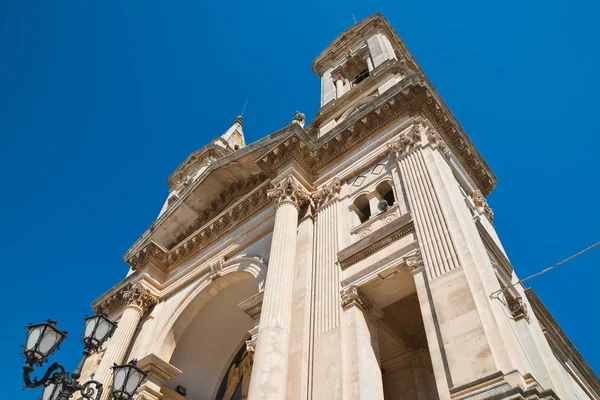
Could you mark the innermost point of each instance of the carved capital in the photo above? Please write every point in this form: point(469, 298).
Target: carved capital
point(518, 309)
point(352, 296)
point(323, 196)
point(251, 345)
point(140, 297)
point(407, 142)
point(482, 205)
point(415, 261)
point(288, 190)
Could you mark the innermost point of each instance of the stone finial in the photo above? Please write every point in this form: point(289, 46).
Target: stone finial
point(321, 197)
point(299, 119)
point(139, 296)
point(352, 296)
point(288, 190)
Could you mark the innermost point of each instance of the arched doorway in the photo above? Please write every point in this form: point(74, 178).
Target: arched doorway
point(208, 332)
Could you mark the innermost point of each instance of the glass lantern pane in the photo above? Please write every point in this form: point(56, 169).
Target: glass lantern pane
point(51, 391)
point(119, 378)
point(48, 341)
point(102, 330)
point(89, 327)
point(134, 380)
point(32, 337)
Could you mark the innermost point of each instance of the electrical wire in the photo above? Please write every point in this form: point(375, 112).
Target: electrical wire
point(497, 292)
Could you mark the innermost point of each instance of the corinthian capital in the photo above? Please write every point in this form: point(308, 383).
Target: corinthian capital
point(415, 261)
point(351, 295)
point(321, 197)
point(140, 297)
point(407, 142)
point(288, 190)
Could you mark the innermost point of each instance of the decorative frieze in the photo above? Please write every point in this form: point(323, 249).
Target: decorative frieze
point(414, 96)
point(353, 296)
point(166, 260)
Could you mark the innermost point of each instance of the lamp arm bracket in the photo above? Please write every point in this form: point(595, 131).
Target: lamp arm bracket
point(27, 370)
point(87, 392)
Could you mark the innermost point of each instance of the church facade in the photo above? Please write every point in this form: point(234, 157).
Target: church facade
point(351, 258)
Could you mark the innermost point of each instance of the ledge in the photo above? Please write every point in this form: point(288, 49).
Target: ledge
point(382, 237)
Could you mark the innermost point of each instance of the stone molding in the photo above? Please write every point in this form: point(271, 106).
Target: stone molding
point(353, 296)
point(134, 294)
point(166, 260)
point(158, 369)
point(413, 96)
point(288, 190)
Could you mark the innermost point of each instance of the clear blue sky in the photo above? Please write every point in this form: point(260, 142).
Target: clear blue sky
point(100, 102)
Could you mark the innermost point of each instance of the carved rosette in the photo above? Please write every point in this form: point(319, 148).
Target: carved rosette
point(139, 297)
point(322, 197)
point(352, 296)
point(482, 205)
point(407, 142)
point(288, 190)
point(415, 262)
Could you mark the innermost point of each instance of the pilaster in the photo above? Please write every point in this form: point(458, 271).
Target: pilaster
point(362, 372)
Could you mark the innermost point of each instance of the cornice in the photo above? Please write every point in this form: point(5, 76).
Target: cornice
point(413, 96)
point(213, 225)
point(138, 290)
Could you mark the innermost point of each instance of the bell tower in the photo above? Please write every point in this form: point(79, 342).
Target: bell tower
point(361, 64)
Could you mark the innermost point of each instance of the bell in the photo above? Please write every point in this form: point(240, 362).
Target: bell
point(382, 205)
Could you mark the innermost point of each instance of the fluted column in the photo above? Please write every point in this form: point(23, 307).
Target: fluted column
point(362, 373)
point(269, 373)
point(137, 299)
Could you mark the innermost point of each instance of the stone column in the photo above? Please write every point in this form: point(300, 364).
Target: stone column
point(326, 362)
point(269, 373)
point(362, 373)
point(137, 299)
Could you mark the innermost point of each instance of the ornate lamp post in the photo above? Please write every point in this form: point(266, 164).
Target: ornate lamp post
point(44, 339)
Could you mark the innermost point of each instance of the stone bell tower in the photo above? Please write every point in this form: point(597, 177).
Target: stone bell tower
point(350, 258)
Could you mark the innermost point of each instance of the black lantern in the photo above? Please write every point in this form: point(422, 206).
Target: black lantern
point(127, 379)
point(97, 330)
point(42, 341)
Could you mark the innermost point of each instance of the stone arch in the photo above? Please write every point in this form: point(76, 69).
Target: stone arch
point(360, 103)
point(202, 292)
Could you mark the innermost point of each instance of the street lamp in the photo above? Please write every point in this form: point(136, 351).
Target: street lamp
point(126, 380)
point(44, 339)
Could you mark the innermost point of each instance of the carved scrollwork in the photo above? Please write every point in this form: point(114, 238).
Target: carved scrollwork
point(352, 295)
point(323, 196)
point(415, 261)
point(139, 296)
point(407, 142)
point(288, 190)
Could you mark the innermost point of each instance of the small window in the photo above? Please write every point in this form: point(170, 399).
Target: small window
point(360, 77)
point(386, 192)
point(363, 208)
